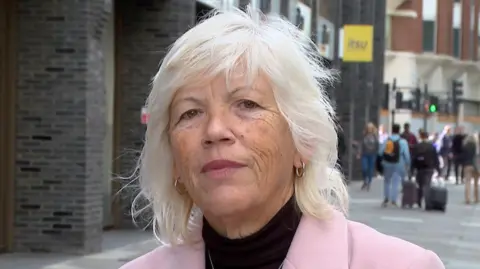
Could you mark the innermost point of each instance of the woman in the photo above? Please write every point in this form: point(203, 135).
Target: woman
point(239, 158)
point(470, 161)
point(369, 152)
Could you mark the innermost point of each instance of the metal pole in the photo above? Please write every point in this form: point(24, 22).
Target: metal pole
point(425, 112)
point(370, 19)
point(338, 23)
point(393, 102)
point(367, 103)
point(353, 76)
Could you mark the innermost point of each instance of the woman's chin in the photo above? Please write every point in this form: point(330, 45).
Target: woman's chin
point(228, 202)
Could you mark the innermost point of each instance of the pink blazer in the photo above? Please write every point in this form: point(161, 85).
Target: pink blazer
point(333, 244)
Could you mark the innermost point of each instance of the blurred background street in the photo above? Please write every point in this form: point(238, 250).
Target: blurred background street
point(73, 116)
point(454, 236)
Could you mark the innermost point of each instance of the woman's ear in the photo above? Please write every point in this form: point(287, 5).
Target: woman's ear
point(175, 173)
point(298, 161)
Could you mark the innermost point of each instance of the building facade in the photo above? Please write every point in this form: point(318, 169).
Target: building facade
point(432, 43)
point(74, 76)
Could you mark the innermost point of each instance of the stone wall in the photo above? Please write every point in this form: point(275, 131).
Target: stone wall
point(60, 126)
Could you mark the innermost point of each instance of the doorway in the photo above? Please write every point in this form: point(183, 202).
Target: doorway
point(7, 124)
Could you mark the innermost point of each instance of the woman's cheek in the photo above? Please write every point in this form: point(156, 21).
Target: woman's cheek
point(249, 114)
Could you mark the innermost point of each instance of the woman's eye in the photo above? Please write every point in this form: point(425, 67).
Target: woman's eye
point(189, 114)
point(248, 104)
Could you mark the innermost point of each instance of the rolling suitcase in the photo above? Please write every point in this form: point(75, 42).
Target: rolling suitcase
point(436, 197)
point(409, 193)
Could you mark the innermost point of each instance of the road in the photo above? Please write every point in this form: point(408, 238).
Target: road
point(454, 236)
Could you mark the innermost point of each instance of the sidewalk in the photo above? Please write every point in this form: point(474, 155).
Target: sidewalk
point(119, 247)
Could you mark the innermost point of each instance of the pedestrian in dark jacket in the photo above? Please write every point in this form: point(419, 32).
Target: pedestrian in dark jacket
point(411, 140)
point(470, 163)
point(425, 161)
point(446, 151)
point(457, 148)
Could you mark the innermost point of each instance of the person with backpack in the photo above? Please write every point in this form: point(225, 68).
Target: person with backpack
point(395, 161)
point(425, 160)
point(368, 152)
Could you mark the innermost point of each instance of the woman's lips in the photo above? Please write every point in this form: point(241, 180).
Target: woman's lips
point(221, 168)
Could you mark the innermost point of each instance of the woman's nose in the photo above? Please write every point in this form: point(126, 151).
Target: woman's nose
point(218, 130)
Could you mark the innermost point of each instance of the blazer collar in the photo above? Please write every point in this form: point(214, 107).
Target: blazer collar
point(316, 243)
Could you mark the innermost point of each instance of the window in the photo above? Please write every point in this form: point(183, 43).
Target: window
point(388, 30)
point(429, 16)
point(457, 28)
point(456, 42)
point(429, 36)
point(284, 8)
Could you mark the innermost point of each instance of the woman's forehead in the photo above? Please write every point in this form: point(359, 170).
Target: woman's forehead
point(226, 83)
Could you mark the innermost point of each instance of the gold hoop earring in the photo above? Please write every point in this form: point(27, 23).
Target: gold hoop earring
point(182, 190)
point(300, 171)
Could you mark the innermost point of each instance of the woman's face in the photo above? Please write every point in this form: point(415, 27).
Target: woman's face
point(232, 149)
point(370, 129)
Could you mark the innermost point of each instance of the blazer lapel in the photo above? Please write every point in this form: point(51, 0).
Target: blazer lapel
point(320, 244)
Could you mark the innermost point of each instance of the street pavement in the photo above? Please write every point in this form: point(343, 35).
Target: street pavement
point(454, 235)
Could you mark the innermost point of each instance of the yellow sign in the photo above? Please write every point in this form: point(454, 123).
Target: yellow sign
point(357, 43)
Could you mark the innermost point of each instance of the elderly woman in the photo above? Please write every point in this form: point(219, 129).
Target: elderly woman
point(239, 158)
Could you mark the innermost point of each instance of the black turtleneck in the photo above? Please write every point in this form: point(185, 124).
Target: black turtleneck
point(265, 249)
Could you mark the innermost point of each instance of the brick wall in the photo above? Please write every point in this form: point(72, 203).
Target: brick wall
point(475, 41)
point(406, 32)
point(465, 31)
point(444, 27)
point(60, 126)
point(466, 53)
point(145, 30)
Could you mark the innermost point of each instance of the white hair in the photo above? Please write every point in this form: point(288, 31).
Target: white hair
point(259, 43)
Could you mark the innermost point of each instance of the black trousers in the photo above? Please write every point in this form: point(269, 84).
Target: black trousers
point(423, 178)
point(447, 166)
point(458, 165)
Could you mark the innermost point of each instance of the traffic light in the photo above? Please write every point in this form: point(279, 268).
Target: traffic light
point(433, 104)
point(417, 103)
point(457, 93)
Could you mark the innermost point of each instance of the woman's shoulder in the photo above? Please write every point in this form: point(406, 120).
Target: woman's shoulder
point(149, 260)
point(368, 247)
point(165, 257)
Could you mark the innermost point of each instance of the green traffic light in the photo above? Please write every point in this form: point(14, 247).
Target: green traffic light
point(433, 108)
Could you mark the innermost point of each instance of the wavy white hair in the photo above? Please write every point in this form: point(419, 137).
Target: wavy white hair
point(258, 43)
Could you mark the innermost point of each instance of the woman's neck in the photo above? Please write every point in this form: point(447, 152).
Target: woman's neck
point(241, 225)
point(266, 248)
